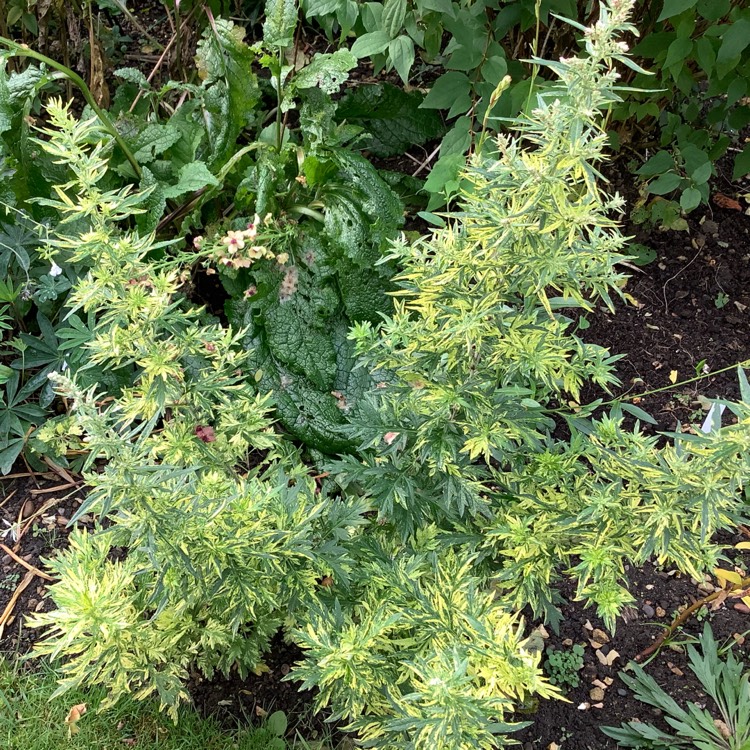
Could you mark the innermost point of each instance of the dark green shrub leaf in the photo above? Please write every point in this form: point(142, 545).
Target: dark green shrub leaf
point(451, 90)
point(664, 184)
point(372, 43)
point(690, 199)
point(659, 163)
point(705, 54)
point(678, 51)
point(736, 90)
point(401, 52)
point(734, 41)
point(674, 7)
point(702, 173)
point(392, 117)
point(394, 13)
point(713, 10)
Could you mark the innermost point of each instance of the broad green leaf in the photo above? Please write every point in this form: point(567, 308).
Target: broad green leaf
point(277, 723)
point(372, 43)
point(713, 10)
point(445, 173)
point(702, 173)
point(192, 177)
point(705, 54)
point(321, 7)
point(690, 199)
point(458, 139)
point(664, 184)
point(659, 163)
point(439, 6)
point(734, 41)
point(674, 7)
point(401, 53)
point(678, 51)
point(451, 90)
point(742, 163)
point(230, 88)
point(394, 13)
point(736, 90)
point(495, 69)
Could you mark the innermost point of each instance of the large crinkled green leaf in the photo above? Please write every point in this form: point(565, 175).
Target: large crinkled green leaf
point(318, 417)
point(192, 177)
point(231, 89)
point(392, 118)
point(297, 332)
point(363, 217)
point(281, 20)
point(152, 141)
point(296, 339)
point(6, 110)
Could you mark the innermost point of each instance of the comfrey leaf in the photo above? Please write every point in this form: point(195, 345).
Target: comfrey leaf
point(281, 20)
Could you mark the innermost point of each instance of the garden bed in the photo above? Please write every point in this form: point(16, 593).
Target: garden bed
point(688, 313)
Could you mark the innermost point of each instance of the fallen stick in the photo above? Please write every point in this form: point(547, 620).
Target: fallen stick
point(737, 590)
point(27, 579)
point(25, 564)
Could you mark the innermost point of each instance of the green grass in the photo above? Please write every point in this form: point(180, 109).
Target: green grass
point(29, 721)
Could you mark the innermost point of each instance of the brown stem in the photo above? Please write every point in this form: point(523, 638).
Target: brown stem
point(684, 616)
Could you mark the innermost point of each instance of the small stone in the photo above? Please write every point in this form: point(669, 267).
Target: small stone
point(596, 694)
point(61, 521)
point(27, 509)
point(5, 560)
point(622, 692)
point(648, 610)
point(660, 612)
point(32, 603)
point(600, 635)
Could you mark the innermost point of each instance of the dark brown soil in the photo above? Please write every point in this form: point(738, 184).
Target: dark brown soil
point(660, 595)
point(34, 513)
point(686, 314)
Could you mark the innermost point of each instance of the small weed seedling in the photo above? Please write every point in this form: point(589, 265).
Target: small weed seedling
point(562, 667)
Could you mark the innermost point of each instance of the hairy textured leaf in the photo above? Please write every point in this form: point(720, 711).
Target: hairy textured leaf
point(281, 20)
point(391, 116)
point(299, 315)
point(6, 111)
point(192, 177)
point(231, 89)
point(133, 75)
point(153, 141)
point(327, 72)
